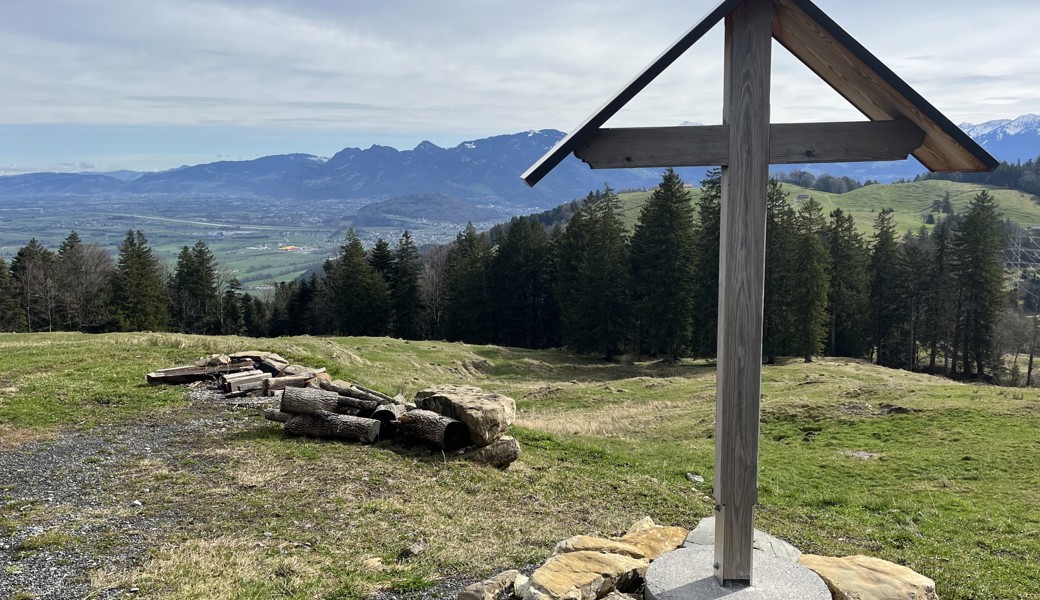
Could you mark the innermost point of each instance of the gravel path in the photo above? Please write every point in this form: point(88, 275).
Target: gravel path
point(48, 486)
point(69, 486)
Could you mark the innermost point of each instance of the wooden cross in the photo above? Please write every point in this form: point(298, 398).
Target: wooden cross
point(902, 123)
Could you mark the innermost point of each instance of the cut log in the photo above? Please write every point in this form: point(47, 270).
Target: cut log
point(367, 407)
point(189, 374)
point(304, 401)
point(273, 414)
point(436, 429)
point(386, 399)
point(500, 454)
point(328, 425)
point(352, 391)
point(388, 412)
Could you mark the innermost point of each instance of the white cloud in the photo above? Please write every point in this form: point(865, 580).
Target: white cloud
point(465, 67)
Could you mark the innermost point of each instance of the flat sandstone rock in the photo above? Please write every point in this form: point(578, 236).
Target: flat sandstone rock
point(868, 578)
point(583, 575)
point(486, 414)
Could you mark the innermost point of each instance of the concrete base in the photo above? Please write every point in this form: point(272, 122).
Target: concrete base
point(704, 535)
point(688, 574)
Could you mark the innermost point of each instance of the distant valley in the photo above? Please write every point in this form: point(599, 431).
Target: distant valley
point(272, 218)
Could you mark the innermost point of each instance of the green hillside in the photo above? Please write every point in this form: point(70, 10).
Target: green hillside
point(933, 474)
point(910, 201)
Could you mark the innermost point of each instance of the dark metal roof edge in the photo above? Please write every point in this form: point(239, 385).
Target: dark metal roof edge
point(554, 156)
point(900, 86)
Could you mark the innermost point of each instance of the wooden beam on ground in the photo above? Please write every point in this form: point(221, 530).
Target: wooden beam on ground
point(741, 285)
point(789, 143)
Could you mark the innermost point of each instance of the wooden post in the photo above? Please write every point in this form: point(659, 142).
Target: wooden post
point(741, 287)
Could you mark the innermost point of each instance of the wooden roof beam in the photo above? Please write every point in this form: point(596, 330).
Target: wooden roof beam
point(705, 146)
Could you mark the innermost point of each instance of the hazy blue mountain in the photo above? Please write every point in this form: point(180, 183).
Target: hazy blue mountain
point(481, 172)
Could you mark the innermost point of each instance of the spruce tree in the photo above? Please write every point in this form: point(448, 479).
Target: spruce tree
point(195, 291)
point(139, 287)
point(522, 278)
point(467, 307)
point(407, 307)
point(939, 320)
point(809, 282)
point(978, 245)
point(662, 262)
point(848, 258)
point(884, 287)
point(356, 291)
point(706, 269)
point(777, 324)
point(915, 258)
point(382, 259)
point(593, 286)
point(10, 312)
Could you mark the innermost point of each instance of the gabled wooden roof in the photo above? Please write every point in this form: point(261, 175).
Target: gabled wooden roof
point(837, 58)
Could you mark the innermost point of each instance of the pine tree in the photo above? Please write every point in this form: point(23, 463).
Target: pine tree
point(139, 294)
point(809, 281)
point(706, 269)
point(777, 316)
point(356, 291)
point(33, 272)
point(662, 262)
point(467, 304)
point(884, 288)
point(978, 245)
point(407, 307)
point(522, 279)
point(848, 259)
point(10, 317)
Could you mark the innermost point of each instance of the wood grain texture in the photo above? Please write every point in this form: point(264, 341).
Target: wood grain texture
point(790, 143)
point(871, 88)
point(741, 286)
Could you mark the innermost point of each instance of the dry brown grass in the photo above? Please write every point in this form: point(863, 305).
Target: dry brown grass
point(12, 437)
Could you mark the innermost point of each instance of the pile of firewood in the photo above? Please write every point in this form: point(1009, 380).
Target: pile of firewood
point(463, 421)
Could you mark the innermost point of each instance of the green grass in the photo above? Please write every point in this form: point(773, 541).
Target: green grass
point(937, 475)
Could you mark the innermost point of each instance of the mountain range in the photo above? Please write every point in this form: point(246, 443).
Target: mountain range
point(483, 172)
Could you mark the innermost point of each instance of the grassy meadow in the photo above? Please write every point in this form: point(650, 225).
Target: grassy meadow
point(937, 475)
point(911, 202)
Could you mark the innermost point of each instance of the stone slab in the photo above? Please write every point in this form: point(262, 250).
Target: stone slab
point(688, 574)
point(704, 535)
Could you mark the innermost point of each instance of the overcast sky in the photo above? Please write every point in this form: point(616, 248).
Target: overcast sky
point(152, 84)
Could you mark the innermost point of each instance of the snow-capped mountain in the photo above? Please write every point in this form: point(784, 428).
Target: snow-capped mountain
point(1009, 140)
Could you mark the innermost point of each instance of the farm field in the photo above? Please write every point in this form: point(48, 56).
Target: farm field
point(937, 475)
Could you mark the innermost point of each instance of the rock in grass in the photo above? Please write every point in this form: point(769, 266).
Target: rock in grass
point(486, 414)
point(868, 578)
point(584, 576)
point(489, 589)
